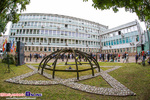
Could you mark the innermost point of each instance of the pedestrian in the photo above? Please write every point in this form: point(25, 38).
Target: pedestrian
point(118, 57)
point(80, 58)
point(113, 57)
point(108, 57)
point(124, 57)
point(127, 57)
point(62, 57)
point(100, 56)
point(136, 58)
point(103, 57)
point(148, 60)
point(30, 56)
point(37, 56)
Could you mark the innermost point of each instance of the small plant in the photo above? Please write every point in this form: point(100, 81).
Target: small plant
point(11, 59)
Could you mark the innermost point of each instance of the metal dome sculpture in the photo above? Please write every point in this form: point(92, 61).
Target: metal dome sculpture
point(57, 54)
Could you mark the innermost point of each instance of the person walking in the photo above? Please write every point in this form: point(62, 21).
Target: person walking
point(118, 57)
point(136, 58)
point(103, 57)
point(124, 56)
point(37, 56)
point(148, 60)
point(100, 56)
point(108, 56)
point(30, 56)
point(144, 57)
point(127, 57)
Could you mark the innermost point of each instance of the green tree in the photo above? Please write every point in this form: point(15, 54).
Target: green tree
point(140, 7)
point(9, 11)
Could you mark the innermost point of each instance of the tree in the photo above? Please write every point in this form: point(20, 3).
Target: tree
point(9, 11)
point(140, 7)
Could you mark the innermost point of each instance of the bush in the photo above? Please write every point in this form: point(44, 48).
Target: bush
point(11, 59)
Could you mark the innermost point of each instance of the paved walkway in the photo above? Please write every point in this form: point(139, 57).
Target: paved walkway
point(117, 89)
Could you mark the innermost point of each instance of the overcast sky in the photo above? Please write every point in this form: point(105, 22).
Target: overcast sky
point(84, 10)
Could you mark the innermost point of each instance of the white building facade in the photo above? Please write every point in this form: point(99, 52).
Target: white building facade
point(124, 38)
point(50, 32)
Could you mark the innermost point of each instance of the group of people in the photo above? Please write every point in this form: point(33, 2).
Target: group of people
point(101, 57)
point(35, 56)
point(142, 56)
point(109, 57)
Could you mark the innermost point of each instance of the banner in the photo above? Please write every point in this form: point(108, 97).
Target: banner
point(13, 46)
point(4, 45)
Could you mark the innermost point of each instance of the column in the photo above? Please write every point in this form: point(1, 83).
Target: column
point(39, 48)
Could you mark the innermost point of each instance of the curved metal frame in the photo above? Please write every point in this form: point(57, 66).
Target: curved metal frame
point(57, 53)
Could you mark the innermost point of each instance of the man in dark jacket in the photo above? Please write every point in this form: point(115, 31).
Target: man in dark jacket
point(108, 56)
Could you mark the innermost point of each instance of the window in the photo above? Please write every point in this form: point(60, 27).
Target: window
point(114, 42)
point(50, 32)
point(58, 33)
point(66, 33)
point(66, 25)
point(42, 31)
point(62, 32)
point(38, 32)
point(49, 49)
point(69, 33)
point(137, 38)
point(120, 41)
point(54, 32)
point(30, 31)
point(127, 40)
point(46, 31)
point(109, 42)
point(104, 44)
point(73, 34)
point(119, 32)
point(76, 34)
point(123, 41)
point(34, 31)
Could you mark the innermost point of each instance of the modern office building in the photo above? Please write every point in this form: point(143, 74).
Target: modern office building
point(45, 33)
point(123, 38)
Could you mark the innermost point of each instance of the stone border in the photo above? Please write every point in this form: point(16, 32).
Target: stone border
point(117, 89)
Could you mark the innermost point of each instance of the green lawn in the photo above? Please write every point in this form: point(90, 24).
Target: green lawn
point(133, 76)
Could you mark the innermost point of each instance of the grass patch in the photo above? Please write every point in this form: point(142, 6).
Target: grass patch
point(36, 77)
point(105, 68)
point(65, 75)
point(97, 81)
point(133, 76)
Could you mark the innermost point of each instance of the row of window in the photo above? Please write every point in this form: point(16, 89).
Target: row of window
point(57, 48)
point(55, 33)
point(121, 31)
point(121, 50)
point(58, 18)
point(121, 41)
point(55, 40)
point(57, 25)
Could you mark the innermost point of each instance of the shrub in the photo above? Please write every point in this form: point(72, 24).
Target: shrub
point(11, 59)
